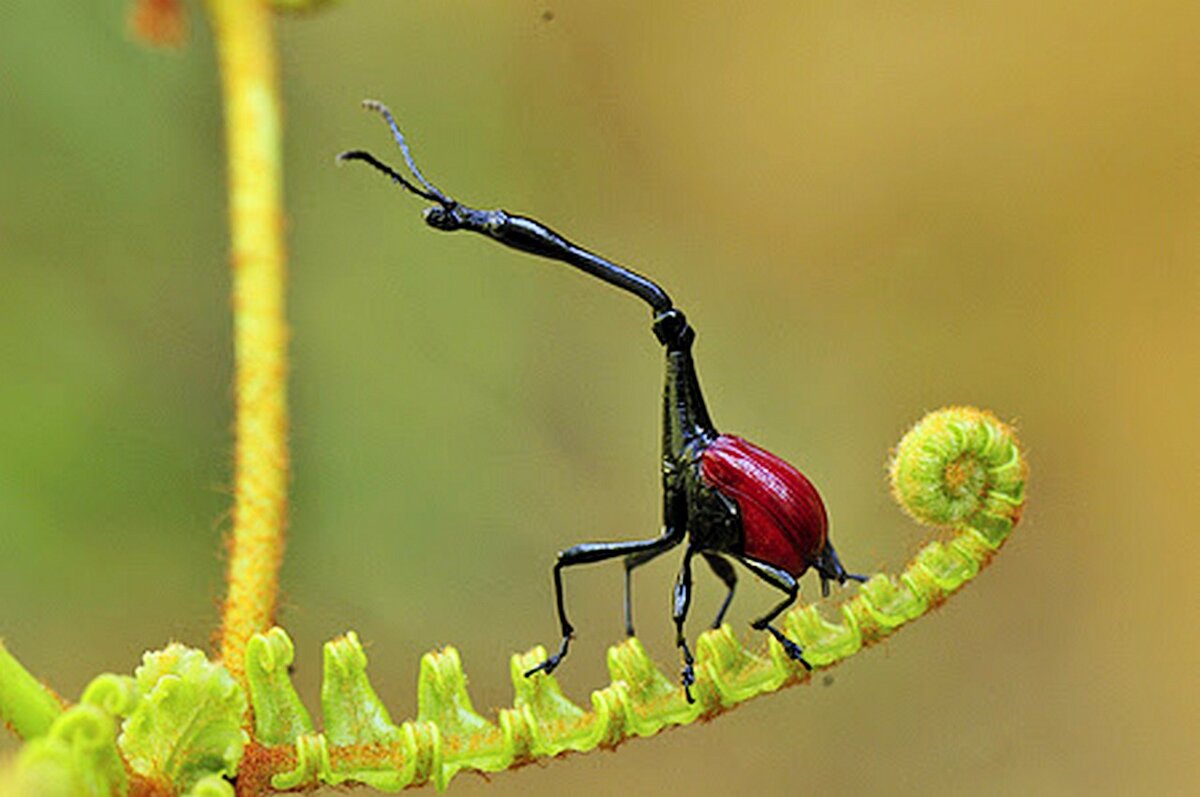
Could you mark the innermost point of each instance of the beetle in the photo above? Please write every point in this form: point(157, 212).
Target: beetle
point(726, 498)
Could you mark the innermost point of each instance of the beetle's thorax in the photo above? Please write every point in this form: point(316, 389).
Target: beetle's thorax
point(686, 423)
point(710, 518)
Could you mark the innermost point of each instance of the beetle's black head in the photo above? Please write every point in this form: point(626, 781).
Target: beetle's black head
point(442, 217)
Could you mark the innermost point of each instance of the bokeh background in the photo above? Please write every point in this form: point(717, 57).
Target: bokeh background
point(868, 211)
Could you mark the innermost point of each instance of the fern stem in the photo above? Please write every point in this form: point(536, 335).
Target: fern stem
point(249, 83)
point(27, 706)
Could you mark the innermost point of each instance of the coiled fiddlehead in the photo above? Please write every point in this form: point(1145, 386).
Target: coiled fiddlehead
point(961, 467)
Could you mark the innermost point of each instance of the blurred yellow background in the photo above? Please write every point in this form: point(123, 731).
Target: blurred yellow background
point(867, 211)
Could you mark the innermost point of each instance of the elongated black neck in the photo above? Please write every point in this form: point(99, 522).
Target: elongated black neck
point(686, 420)
point(686, 423)
point(533, 237)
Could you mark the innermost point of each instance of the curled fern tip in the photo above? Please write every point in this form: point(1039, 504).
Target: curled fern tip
point(961, 467)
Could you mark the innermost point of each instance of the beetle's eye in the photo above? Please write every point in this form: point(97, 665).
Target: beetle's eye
point(437, 216)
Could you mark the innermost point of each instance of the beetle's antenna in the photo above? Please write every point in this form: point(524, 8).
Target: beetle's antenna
point(430, 192)
point(368, 158)
point(375, 105)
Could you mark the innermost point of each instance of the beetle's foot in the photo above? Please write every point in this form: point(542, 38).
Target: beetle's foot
point(794, 651)
point(688, 678)
point(551, 662)
point(546, 666)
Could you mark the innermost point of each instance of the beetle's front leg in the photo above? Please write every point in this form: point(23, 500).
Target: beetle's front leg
point(588, 553)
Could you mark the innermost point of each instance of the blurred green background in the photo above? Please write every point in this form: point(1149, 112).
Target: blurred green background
point(868, 211)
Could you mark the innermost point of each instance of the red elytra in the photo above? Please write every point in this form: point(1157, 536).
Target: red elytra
point(783, 518)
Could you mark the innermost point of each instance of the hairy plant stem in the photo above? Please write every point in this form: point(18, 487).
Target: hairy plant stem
point(249, 85)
